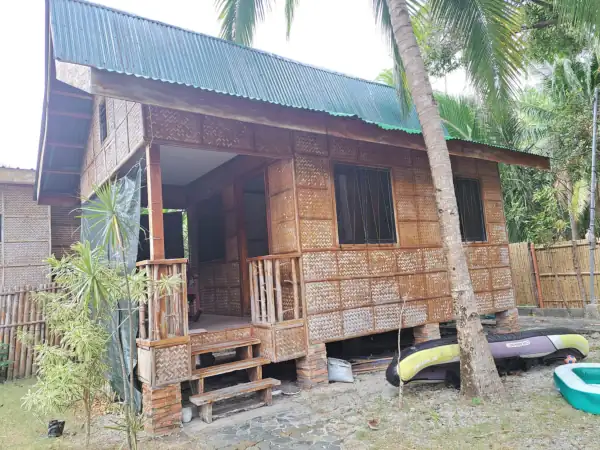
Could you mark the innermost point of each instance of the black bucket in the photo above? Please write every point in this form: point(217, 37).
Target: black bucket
point(55, 428)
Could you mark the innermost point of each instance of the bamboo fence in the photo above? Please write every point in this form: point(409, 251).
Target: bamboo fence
point(20, 314)
point(545, 276)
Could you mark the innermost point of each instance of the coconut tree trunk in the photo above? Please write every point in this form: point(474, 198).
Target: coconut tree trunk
point(574, 237)
point(479, 377)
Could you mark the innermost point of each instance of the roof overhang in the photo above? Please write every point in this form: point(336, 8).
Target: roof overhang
point(186, 98)
point(66, 120)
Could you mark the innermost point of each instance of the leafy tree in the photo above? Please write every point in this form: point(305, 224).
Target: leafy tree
point(74, 371)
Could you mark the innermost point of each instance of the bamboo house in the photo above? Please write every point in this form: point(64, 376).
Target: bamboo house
point(310, 206)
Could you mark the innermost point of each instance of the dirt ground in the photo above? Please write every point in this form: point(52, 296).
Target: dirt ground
point(533, 415)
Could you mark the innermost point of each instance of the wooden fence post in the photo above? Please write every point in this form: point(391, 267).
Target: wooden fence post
point(536, 272)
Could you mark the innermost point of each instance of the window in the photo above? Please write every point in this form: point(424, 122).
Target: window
point(103, 123)
point(365, 212)
point(470, 209)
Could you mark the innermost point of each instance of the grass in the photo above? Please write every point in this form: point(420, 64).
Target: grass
point(22, 429)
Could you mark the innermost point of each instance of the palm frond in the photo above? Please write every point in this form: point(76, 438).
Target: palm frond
point(382, 17)
point(581, 198)
point(459, 114)
point(386, 77)
point(240, 17)
point(486, 29)
point(290, 9)
point(582, 14)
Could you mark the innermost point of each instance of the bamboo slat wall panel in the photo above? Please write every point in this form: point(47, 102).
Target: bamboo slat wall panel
point(125, 135)
point(356, 290)
point(19, 313)
point(558, 277)
point(24, 238)
point(219, 281)
point(522, 274)
point(64, 229)
point(282, 207)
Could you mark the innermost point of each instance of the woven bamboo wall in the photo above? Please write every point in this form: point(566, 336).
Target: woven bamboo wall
point(219, 281)
point(356, 290)
point(125, 135)
point(64, 226)
point(25, 237)
point(282, 207)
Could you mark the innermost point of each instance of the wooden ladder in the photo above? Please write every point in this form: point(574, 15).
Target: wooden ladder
point(246, 349)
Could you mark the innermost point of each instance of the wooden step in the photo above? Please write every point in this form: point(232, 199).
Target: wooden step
point(222, 346)
point(230, 367)
point(206, 400)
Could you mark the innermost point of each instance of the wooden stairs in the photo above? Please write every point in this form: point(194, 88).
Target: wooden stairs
point(247, 359)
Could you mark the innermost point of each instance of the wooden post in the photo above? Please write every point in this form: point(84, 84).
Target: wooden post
point(269, 290)
point(11, 336)
point(252, 298)
point(142, 317)
point(17, 360)
point(256, 291)
point(155, 202)
point(536, 272)
point(278, 290)
point(262, 291)
point(295, 288)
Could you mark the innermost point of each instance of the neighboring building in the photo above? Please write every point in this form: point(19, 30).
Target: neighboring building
point(311, 209)
point(29, 232)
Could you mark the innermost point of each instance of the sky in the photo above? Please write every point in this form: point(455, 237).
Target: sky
point(326, 33)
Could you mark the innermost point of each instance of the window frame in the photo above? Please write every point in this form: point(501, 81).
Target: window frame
point(102, 121)
point(396, 240)
point(482, 205)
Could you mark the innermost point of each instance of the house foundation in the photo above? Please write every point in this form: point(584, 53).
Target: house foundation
point(161, 409)
point(427, 332)
point(507, 321)
point(311, 370)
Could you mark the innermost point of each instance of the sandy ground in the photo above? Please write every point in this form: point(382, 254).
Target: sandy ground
point(532, 415)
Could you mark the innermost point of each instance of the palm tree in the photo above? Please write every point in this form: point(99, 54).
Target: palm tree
point(485, 29)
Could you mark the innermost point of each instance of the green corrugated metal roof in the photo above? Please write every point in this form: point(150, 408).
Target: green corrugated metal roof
point(94, 35)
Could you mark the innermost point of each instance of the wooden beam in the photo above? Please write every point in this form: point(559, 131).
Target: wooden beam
point(66, 144)
point(81, 96)
point(155, 202)
point(224, 175)
point(70, 114)
point(62, 172)
point(500, 155)
point(74, 75)
point(185, 98)
point(58, 200)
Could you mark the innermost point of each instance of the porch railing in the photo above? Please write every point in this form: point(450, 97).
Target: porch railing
point(165, 314)
point(275, 288)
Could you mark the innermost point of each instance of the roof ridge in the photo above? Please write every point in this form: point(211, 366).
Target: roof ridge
point(235, 44)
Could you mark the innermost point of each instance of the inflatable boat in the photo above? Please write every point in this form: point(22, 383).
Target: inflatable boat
point(579, 384)
point(438, 360)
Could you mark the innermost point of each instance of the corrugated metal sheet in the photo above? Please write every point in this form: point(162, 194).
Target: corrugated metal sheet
point(104, 38)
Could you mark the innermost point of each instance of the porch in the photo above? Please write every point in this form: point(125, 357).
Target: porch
point(234, 294)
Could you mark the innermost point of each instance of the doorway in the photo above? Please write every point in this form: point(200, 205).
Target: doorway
point(255, 216)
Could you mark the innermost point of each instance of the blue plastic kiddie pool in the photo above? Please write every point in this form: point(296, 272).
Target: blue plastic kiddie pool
point(579, 384)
